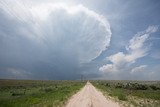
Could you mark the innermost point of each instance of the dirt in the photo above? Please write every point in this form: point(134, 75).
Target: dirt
point(89, 96)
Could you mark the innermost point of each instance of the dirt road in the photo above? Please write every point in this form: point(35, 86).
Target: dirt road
point(89, 96)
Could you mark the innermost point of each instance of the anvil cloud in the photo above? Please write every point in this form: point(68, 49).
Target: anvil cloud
point(49, 40)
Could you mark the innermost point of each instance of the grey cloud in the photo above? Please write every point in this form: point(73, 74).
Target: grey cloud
point(52, 46)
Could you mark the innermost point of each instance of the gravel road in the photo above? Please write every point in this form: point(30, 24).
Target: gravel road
point(89, 96)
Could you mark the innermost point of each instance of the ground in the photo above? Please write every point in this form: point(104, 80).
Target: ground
point(89, 96)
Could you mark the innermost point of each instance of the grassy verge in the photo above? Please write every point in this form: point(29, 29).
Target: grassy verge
point(137, 93)
point(25, 93)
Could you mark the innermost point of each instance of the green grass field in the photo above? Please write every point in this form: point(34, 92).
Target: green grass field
point(37, 93)
point(137, 93)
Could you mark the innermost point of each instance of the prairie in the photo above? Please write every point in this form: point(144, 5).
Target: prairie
point(135, 93)
point(37, 93)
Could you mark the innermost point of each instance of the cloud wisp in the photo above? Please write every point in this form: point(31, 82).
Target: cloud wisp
point(50, 40)
point(120, 63)
point(140, 68)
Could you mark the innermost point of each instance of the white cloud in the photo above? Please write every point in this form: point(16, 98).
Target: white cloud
point(137, 42)
point(63, 25)
point(136, 49)
point(54, 35)
point(107, 68)
point(138, 69)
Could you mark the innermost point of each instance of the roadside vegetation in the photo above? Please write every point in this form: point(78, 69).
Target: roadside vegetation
point(135, 93)
point(37, 93)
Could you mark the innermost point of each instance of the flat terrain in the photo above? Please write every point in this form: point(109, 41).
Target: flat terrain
point(131, 93)
point(39, 93)
point(89, 96)
point(42, 93)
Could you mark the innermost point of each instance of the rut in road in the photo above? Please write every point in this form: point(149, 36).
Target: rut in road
point(89, 96)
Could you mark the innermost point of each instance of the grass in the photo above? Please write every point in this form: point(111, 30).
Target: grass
point(119, 93)
point(26, 93)
point(147, 94)
point(138, 93)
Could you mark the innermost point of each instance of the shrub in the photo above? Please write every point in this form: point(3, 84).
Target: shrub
point(107, 84)
point(48, 89)
point(119, 85)
point(17, 93)
point(122, 97)
point(136, 86)
point(153, 87)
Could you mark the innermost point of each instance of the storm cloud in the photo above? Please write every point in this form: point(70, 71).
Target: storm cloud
point(57, 39)
point(49, 41)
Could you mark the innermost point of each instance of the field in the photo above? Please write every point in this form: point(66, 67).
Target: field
point(135, 93)
point(37, 93)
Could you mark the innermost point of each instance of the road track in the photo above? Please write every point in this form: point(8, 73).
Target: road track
point(89, 96)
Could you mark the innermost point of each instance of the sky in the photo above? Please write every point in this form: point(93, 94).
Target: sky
point(63, 40)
